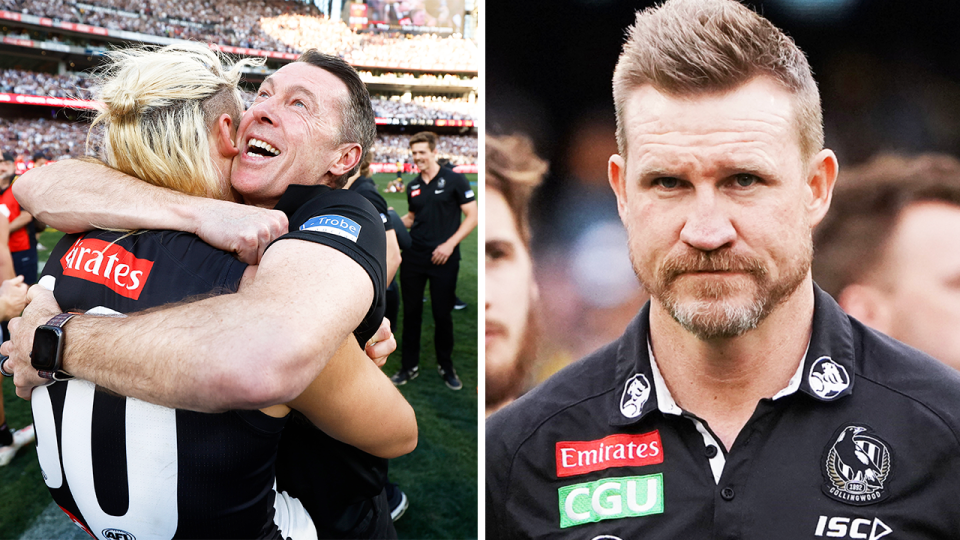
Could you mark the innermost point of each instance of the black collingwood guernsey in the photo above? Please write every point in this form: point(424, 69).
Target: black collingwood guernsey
point(124, 468)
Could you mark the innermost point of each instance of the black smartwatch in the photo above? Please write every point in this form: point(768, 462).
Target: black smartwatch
point(47, 355)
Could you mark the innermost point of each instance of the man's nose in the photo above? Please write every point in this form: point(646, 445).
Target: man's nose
point(708, 226)
point(263, 111)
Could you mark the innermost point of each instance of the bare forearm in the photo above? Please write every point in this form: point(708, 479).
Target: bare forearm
point(20, 221)
point(354, 402)
point(256, 348)
point(407, 219)
point(78, 195)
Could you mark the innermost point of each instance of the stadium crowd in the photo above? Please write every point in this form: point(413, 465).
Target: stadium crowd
point(69, 85)
point(56, 139)
point(432, 107)
point(77, 87)
point(273, 25)
point(60, 140)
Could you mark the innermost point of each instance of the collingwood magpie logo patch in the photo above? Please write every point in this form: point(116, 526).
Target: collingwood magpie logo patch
point(441, 183)
point(856, 466)
point(827, 378)
point(635, 395)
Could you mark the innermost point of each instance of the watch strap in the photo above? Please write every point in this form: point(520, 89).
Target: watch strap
point(60, 320)
point(58, 375)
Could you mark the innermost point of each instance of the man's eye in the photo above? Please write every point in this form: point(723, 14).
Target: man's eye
point(746, 180)
point(299, 103)
point(666, 182)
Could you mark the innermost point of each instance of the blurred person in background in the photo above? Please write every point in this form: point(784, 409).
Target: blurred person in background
point(436, 198)
point(889, 250)
point(513, 171)
point(13, 298)
point(23, 251)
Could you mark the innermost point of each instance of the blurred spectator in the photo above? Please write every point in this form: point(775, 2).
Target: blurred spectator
point(513, 171)
point(889, 250)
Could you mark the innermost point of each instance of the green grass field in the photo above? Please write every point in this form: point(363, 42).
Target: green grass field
point(439, 477)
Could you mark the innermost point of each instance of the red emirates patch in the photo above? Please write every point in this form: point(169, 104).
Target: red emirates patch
point(414, 193)
point(107, 264)
point(580, 457)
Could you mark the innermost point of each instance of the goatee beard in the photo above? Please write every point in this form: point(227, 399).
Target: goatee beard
point(715, 312)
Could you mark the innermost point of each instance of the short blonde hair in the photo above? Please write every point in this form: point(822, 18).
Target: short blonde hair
point(694, 47)
point(157, 109)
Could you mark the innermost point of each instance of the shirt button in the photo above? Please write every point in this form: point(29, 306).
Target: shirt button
point(711, 451)
point(727, 493)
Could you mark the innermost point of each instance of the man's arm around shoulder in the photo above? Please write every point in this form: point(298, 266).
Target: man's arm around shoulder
point(78, 195)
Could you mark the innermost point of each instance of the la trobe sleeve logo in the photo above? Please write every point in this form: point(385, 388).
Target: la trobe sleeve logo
point(107, 264)
point(856, 466)
point(335, 225)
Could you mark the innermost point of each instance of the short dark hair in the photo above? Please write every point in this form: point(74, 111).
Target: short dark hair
point(851, 240)
point(357, 121)
point(428, 137)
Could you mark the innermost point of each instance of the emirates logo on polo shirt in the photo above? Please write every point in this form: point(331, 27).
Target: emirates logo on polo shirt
point(414, 193)
point(107, 264)
point(622, 450)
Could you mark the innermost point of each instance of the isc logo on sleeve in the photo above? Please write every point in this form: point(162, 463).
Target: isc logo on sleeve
point(107, 264)
point(333, 224)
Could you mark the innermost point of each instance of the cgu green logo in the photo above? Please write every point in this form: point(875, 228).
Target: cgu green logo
point(610, 498)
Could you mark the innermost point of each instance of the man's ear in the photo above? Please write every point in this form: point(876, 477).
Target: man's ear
point(822, 179)
point(616, 172)
point(867, 304)
point(350, 154)
point(226, 132)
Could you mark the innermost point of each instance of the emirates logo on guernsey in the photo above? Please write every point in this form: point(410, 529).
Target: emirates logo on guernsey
point(623, 450)
point(107, 264)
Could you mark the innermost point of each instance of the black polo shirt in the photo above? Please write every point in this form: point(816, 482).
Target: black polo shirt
point(348, 223)
point(436, 209)
point(864, 443)
point(326, 475)
point(366, 187)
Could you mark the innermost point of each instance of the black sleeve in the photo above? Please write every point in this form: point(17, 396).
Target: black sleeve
point(378, 202)
point(464, 191)
point(347, 222)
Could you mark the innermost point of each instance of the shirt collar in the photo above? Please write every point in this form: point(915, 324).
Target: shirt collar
point(297, 195)
point(826, 372)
